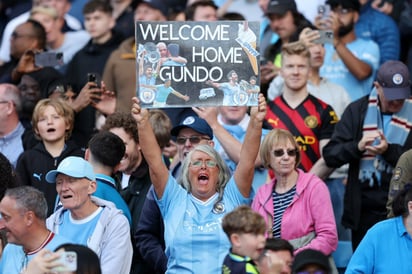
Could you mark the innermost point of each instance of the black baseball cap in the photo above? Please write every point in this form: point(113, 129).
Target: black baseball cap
point(310, 257)
point(280, 7)
point(346, 4)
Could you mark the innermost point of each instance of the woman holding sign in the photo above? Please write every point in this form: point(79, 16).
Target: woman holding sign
point(195, 241)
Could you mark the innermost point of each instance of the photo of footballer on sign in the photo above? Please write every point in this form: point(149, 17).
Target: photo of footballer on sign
point(197, 63)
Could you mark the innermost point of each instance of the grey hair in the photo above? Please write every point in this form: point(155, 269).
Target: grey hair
point(224, 172)
point(29, 198)
point(12, 93)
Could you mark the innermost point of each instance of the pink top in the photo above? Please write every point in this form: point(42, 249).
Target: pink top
point(310, 211)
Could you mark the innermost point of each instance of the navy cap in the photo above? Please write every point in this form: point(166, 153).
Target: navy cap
point(196, 123)
point(393, 76)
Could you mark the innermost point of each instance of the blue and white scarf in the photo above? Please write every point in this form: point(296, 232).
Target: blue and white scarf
point(395, 132)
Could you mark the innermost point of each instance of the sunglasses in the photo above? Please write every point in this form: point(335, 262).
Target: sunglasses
point(193, 139)
point(281, 152)
point(199, 164)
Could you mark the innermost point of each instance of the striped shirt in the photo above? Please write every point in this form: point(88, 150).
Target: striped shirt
point(280, 203)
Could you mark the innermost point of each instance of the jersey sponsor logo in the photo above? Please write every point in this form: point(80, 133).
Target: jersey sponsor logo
point(311, 121)
point(335, 118)
point(304, 141)
point(274, 122)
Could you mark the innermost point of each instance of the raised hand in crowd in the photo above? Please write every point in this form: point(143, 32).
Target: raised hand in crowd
point(385, 7)
point(26, 64)
point(307, 36)
point(107, 102)
point(98, 97)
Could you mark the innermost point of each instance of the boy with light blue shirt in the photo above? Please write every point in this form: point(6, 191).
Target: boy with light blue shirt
point(104, 153)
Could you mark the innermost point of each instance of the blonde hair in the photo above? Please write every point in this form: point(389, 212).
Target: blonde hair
point(274, 137)
point(61, 107)
point(50, 11)
point(295, 48)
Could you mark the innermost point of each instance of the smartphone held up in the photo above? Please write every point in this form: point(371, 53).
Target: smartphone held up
point(95, 79)
point(68, 262)
point(324, 13)
point(48, 59)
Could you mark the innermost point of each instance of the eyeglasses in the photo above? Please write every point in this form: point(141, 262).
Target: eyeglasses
point(199, 164)
point(15, 35)
point(281, 152)
point(193, 139)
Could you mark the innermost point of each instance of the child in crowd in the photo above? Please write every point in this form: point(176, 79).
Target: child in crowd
point(52, 122)
point(246, 231)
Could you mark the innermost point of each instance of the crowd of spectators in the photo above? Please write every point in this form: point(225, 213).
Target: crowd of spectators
point(87, 168)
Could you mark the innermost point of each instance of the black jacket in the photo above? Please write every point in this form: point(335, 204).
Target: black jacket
point(90, 59)
point(343, 148)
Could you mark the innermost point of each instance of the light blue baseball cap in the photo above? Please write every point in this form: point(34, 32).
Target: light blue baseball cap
point(72, 166)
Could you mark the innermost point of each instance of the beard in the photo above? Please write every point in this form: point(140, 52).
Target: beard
point(344, 30)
